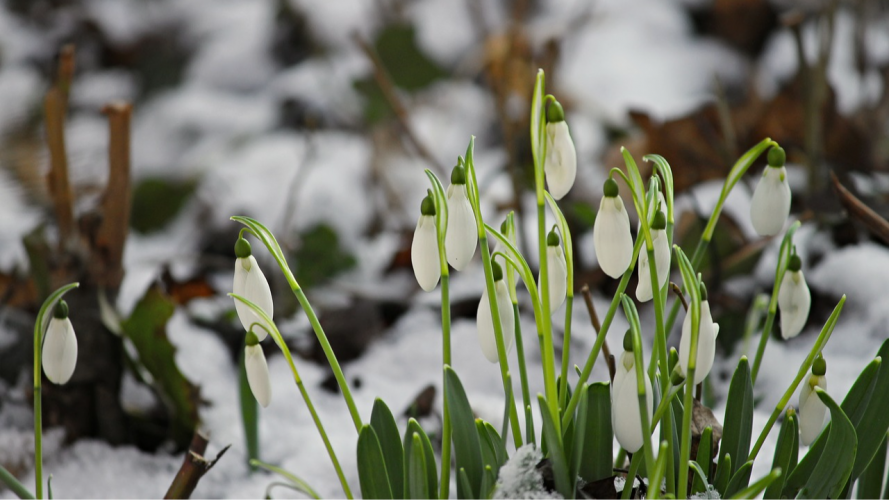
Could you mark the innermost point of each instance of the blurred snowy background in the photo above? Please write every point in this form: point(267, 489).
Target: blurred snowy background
point(318, 117)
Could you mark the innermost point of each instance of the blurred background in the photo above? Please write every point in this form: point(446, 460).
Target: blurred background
point(131, 130)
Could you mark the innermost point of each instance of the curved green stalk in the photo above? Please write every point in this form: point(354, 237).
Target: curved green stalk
point(39, 330)
point(568, 249)
point(635, 327)
point(260, 231)
point(783, 259)
point(279, 340)
point(692, 285)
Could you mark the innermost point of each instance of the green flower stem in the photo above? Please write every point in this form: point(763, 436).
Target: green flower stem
point(692, 284)
point(523, 375)
point(498, 337)
point(820, 342)
point(633, 318)
point(566, 350)
point(13, 484)
point(631, 476)
point(268, 239)
point(660, 342)
point(279, 340)
point(40, 325)
point(783, 258)
point(664, 405)
point(446, 429)
point(600, 339)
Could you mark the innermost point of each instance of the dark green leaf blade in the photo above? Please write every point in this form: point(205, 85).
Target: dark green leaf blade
point(786, 453)
point(371, 466)
point(413, 427)
point(870, 484)
point(738, 417)
point(418, 486)
point(835, 465)
point(564, 484)
point(384, 425)
point(740, 480)
point(598, 451)
point(467, 449)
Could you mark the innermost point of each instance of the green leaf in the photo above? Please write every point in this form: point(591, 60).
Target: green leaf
point(835, 465)
point(537, 116)
point(464, 486)
point(598, 437)
point(667, 173)
point(320, 256)
point(739, 479)
point(756, 488)
point(296, 483)
point(786, 453)
point(561, 473)
point(147, 330)
point(441, 205)
point(372, 466)
point(738, 425)
point(467, 449)
point(870, 484)
point(249, 412)
point(579, 428)
point(413, 428)
point(499, 445)
point(657, 476)
point(874, 420)
point(418, 487)
point(699, 475)
point(703, 458)
point(13, 484)
point(157, 201)
point(386, 429)
point(723, 474)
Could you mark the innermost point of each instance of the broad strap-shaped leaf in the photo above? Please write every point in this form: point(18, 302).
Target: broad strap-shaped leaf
point(598, 448)
point(870, 484)
point(835, 465)
point(561, 474)
point(786, 453)
point(467, 449)
point(738, 426)
point(739, 480)
point(579, 428)
point(431, 477)
point(386, 429)
point(499, 445)
point(875, 419)
point(417, 486)
point(371, 466)
point(723, 474)
point(704, 458)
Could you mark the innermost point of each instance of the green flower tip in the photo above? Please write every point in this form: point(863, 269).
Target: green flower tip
point(819, 367)
point(458, 175)
point(611, 189)
point(660, 221)
point(61, 310)
point(777, 157)
point(552, 239)
point(242, 249)
point(428, 206)
point(795, 263)
point(676, 376)
point(504, 228)
point(628, 341)
point(251, 339)
point(496, 271)
point(673, 358)
point(555, 113)
point(703, 292)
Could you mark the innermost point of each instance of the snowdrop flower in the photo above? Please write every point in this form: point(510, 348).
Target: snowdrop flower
point(59, 346)
point(706, 341)
point(462, 234)
point(257, 370)
point(770, 206)
point(424, 249)
point(484, 320)
point(251, 284)
point(557, 272)
point(611, 233)
point(560, 166)
point(811, 409)
point(794, 299)
point(661, 257)
point(625, 418)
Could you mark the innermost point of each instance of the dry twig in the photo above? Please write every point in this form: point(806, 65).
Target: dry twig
point(594, 319)
point(193, 468)
point(858, 210)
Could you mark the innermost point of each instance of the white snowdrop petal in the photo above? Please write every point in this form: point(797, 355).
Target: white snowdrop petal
point(643, 287)
point(812, 410)
point(251, 284)
point(560, 165)
point(794, 301)
point(662, 258)
point(258, 374)
point(626, 420)
point(706, 344)
point(557, 270)
point(485, 323)
point(770, 206)
point(424, 253)
point(612, 238)
point(59, 351)
point(462, 234)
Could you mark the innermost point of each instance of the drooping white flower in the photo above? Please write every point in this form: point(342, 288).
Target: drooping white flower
point(59, 346)
point(661, 257)
point(625, 417)
point(462, 234)
point(257, 371)
point(811, 409)
point(424, 249)
point(611, 233)
point(706, 341)
point(794, 299)
point(770, 206)
point(560, 165)
point(251, 284)
point(484, 320)
point(557, 270)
